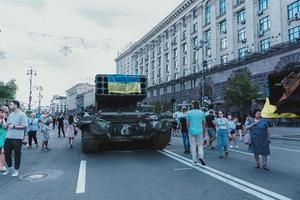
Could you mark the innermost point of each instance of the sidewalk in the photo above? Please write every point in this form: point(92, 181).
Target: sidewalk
point(285, 133)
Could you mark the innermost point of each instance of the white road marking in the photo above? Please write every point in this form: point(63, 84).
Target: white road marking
point(293, 150)
point(182, 169)
point(81, 178)
point(231, 180)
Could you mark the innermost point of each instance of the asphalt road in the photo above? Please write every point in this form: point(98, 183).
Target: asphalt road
point(131, 173)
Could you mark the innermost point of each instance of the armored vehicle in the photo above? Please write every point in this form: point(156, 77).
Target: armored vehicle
point(119, 118)
point(284, 90)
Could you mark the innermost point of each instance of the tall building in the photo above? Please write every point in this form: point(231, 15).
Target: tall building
point(75, 93)
point(58, 105)
point(217, 37)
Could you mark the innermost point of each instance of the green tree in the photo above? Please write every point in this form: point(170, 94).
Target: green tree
point(240, 92)
point(162, 106)
point(8, 91)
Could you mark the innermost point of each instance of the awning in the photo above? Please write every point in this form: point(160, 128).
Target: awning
point(269, 112)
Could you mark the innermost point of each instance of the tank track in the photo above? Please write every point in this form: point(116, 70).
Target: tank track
point(89, 142)
point(161, 141)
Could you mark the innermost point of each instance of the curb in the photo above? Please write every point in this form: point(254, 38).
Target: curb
point(285, 138)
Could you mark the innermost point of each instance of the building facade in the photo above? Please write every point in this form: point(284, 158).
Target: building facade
point(73, 94)
point(58, 105)
point(215, 37)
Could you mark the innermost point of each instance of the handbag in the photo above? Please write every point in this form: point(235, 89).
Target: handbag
point(247, 138)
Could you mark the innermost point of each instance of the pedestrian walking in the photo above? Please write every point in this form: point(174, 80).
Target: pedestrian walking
point(196, 127)
point(232, 131)
point(239, 127)
point(60, 124)
point(211, 128)
point(3, 126)
point(70, 130)
point(16, 124)
point(260, 138)
point(184, 132)
point(45, 122)
point(53, 122)
point(222, 127)
point(33, 127)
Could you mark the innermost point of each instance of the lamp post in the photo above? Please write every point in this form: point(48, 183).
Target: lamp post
point(40, 96)
point(30, 73)
point(201, 45)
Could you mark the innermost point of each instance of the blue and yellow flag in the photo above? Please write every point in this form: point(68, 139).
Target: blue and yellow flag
point(124, 84)
point(269, 111)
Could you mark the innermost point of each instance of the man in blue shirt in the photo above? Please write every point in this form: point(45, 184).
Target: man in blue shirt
point(196, 127)
point(33, 127)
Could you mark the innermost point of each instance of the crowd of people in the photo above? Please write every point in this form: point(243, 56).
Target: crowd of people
point(215, 130)
point(16, 127)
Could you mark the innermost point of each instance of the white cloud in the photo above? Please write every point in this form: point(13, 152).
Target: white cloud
point(121, 21)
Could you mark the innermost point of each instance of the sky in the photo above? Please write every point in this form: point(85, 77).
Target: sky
point(34, 31)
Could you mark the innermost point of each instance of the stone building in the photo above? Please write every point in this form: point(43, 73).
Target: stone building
point(218, 38)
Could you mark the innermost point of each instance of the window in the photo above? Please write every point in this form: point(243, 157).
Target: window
point(184, 48)
point(223, 27)
point(184, 60)
point(265, 44)
point(195, 27)
point(224, 59)
point(239, 2)
point(175, 53)
point(223, 43)
point(208, 52)
point(193, 83)
point(195, 56)
point(242, 35)
point(195, 41)
point(264, 23)
point(167, 45)
point(242, 52)
point(207, 13)
point(183, 35)
point(175, 65)
point(207, 35)
point(195, 13)
point(222, 7)
point(167, 57)
point(241, 16)
point(294, 34)
point(293, 9)
point(263, 4)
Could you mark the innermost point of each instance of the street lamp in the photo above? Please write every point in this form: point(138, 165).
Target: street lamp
point(201, 45)
point(30, 73)
point(40, 96)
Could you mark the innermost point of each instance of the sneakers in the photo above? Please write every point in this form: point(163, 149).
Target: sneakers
point(226, 153)
point(3, 169)
point(8, 171)
point(237, 147)
point(230, 146)
point(202, 161)
point(195, 163)
point(15, 173)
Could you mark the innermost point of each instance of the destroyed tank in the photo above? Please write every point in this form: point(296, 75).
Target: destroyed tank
point(119, 116)
point(284, 89)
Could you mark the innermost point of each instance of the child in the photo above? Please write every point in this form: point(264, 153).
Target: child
point(232, 131)
point(70, 130)
point(45, 129)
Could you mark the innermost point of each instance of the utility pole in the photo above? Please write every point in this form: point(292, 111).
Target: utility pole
point(31, 72)
point(40, 96)
point(201, 45)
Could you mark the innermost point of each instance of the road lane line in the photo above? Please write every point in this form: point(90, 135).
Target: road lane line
point(220, 178)
point(183, 169)
point(237, 180)
point(293, 150)
point(81, 178)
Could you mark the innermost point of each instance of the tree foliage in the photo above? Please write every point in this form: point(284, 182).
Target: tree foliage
point(162, 106)
point(240, 91)
point(8, 91)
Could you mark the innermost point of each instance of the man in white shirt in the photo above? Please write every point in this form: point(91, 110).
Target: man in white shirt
point(16, 124)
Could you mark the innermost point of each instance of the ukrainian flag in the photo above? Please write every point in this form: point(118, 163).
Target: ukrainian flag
point(124, 84)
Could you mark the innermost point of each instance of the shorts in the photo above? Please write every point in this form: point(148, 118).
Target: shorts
point(46, 136)
point(232, 132)
point(211, 132)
